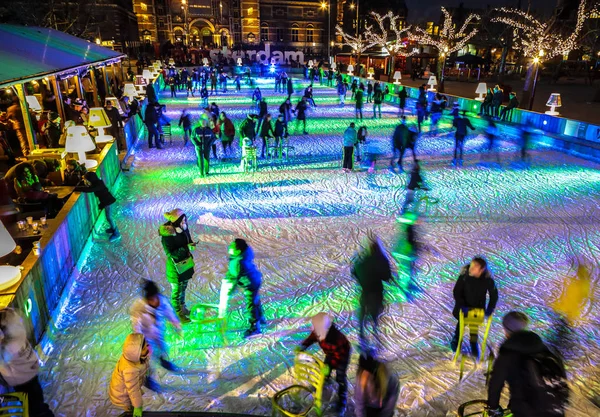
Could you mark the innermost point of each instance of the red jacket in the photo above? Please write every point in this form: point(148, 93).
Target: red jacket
point(335, 346)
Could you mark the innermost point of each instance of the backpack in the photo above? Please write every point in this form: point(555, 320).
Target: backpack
point(549, 382)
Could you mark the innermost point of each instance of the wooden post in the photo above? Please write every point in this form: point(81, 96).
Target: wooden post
point(59, 101)
point(26, 116)
point(106, 82)
point(114, 76)
point(79, 87)
point(94, 87)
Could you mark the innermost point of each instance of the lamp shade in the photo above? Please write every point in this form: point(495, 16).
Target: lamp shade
point(432, 81)
point(33, 103)
point(397, 75)
point(310, 63)
point(9, 276)
point(333, 66)
point(79, 140)
point(239, 62)
point(98, 118)
point(481, 88)
point(350, 68)
point(140, 80)
point(7, 243)
point(115, 103)
point(147, 74)
point(554, 100)
point(129, 90)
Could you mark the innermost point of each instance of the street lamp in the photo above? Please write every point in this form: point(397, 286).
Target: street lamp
point(184, 6)
point(536, 62)
point(328, 7)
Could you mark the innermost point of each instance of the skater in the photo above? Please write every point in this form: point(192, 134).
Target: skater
point(436, 110)
point(536, 377)
point(204, 96)
point(19, 363)
point(415, 182)
point(203, 140)
point(266, 133)
point(290, 88)
point(404, 138)
point(148, 317)
point(491, 131)
point(242, 272)
point(227, 132)
point(527, 132)
point(248, 127)
point(402, 95)
point(308, 95)
point(358, 97)
point(377, 100)
point(353, 88)
point(238, 83)
point(568, 309)
point(173, 85)
point(474, 283)
point(421, 107)
point(406, 251)
point(461, 124)
point(341, 90)
point(151, 120)
point(186, 120)
point(277, 82)
point(93, 184)
point(377, 389)
point(256, 98)
point(513, 103)
point(371, 269)
point(486, 105)
point(337, 353)
point(370, 92)
point(178, 246)
point(125, 389)
point(361, 137)
point(286, 110)
point(300, 112)
point(279, 131)
point(350, 140)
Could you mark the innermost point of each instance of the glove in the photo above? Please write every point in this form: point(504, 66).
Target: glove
point(137, 412)
point(465, 310)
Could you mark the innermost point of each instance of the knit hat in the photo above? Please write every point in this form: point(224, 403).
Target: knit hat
point(174, 214)
point(515, 321)
point(321, 325)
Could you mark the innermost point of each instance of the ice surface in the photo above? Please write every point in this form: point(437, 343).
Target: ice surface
point(305, 219)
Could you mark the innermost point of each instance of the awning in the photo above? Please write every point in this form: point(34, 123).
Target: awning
point(29, 53)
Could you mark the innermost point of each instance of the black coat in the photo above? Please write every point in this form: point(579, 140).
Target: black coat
point(266, 129)
point(510, 366)
point(370, 271)
point(176, 249)
point(402, 94)
point(461, 124)
point(97, 186)
point(150, 115)
point(279, 128)
point(301, 110)
point(403, 137)
point(470, 292)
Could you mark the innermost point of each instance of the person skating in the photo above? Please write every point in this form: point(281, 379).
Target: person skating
point(266, 132)
point(300, 111)
point(461, 123)
point(371, 269)
point(341, 91)
point(404, 138)
point(402, 95)
point(286, 110)
point(491, 132)
point(248, 127)
point(256, 98)
point(178, 246)
point(290, 87)
point(370, 93)
point(474, 283)
point(377, 100)
point(130, 375)
point(203, 139)
point(149, 315)
point(186, 121)
point(358, 97)
point(361, 137)
point(536, 377)
point(19, 363)
point(377, 389)
point(308, 95)
point(350, 140)
point(336, 348)
point(93, 184)
point(151, 120)
point(406, 251)
point(243, 272)
point(421, 107)
point(415, 182)
point(227, 131)
point(279, 132)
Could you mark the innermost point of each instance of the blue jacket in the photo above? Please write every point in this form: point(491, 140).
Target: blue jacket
point(242, 270)
point(350, 137)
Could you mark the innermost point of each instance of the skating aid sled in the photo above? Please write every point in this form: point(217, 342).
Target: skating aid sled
point(474, 319)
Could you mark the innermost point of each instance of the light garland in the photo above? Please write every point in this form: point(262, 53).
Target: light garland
point(448, 41)
point(380, 37)
point(357, 43)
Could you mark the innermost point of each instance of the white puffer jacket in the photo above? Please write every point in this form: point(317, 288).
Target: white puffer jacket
point(19, 363)
point(125, 388)
point(150, 321)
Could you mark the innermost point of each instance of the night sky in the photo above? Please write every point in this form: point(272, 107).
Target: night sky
point(429, 9)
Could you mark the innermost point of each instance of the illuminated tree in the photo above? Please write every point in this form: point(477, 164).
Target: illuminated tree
point(358, 44)
point(448, 41)
point(381, 37)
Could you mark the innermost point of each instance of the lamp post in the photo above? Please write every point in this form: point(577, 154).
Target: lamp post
point(536, 62)
point(328, 7)
point(184, 6)
point(444, 54)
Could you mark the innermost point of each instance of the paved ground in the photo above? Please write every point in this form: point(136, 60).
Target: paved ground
point(305, 219)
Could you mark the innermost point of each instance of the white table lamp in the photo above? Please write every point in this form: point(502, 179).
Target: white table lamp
point(79, 141)
point(130, 91)
point(371, 72)
point(310, 63)
point(9, 275)
point(397, 77)
point(350, 69)
point(333, 66)
point(481, 90)
point(432, 83)
point(553, 102)
point(99, 120)
point(239, 62)
point(33, 103)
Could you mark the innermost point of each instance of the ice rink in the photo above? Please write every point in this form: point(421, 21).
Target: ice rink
point(305, 219)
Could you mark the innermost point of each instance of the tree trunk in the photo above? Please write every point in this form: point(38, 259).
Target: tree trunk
point(502, 67)
point(526, 95)
point(392, 66)
point(440, 74)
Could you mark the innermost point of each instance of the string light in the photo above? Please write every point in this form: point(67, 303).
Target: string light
point(448, 40)
point(359, 44)
point(381, 36)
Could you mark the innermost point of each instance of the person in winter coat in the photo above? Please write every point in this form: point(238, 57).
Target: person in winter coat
point(491, 131)
point(515, 366)
point(377, 389)
point(243, 272)
point(402, 95)
point(266, 132)
point(227, 130)
point(461, 124)
point(178, 245)
point(300, 111)
point(421, 106)
point(377, 100)
point(19, 363)
point(279, 133)
point(186, 121)
point(486, 105)
point(513, 103)
point(290, 87)
point(474, 283)
point(263, 109)
point(369, 92)
point(350, 140)
point(203, 140)
point(497, 99)
point(415, 182)
point(129, 376)
point(257, 97)
point(371, 269)
point(151, 120)
point(308, 94)
point(404, 138)
point(361, 140)
point(95, 185)
point(336, 348)
point(204, 96)
point(74, 173)
point(286, 110)
point(341, 91)
point(358, 97)
point(149, 315)
point(248, 127)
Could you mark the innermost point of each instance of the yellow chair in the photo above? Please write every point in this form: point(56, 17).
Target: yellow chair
point(474, 319)
point(310, 372)
point(14, 404)
point(249, 159)
point(198, 315)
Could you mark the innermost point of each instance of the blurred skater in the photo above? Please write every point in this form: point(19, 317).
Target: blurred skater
point(415, 182)
point(377, 389)
point(461, 123)
point(403, 139)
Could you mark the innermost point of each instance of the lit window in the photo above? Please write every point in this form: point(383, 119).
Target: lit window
point(250, 11)
point(295, 35)
point(309, 35)
point(144, 6)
